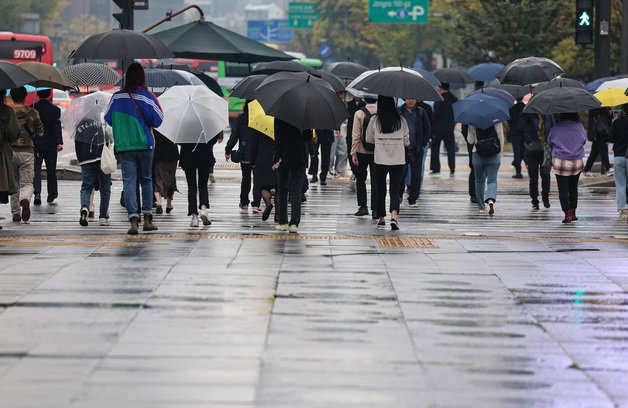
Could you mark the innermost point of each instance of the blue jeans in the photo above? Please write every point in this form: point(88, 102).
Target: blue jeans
point(423, 166)
point(91, 172)
point(485, 169)
point(137, 166)
point(621, 175)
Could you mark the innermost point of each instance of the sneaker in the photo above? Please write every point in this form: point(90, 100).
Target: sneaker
point(282, 227)
point(535, 205)
point(37, 200)
point(293, 229)
point(434, 172)
point(257, 210)
point(103, 222)
point(17, 217)
point(323, 183)
point(314, 179)
point(266, 212)
point(169, 210)
point(473, 199)
point(159, 209)
point(205, 218)
point(412, 203)
point(381, 224)
point(518, 176)
point(83, 220)
point(393, 224)
point(364, 210)
point(51, 198)
point(546, 203)
point(194, 222)
point(244, 207)
point(481, 210)
point(491, 208)
point(91, 211)
point(586, 174)
point(26, 209)
point(623, 215)
point(212, 179)
point(452, 174)
point(352, 178)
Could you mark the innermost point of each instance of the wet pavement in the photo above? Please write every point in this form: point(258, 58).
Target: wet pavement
point(457, 309)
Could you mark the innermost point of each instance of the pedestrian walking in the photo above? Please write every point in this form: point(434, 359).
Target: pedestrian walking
point(444, 131)
point(23, 154)
point(48, 146)
point(567, 138)
point(322, 140)
point(619, 138)
point(389, 132)
point(132, 113)
point(9, 133)
point(339, 156)
point(164, 172)
point(535, 134)
point(488, 145)
point(420, 130)
point(196, 160)
point(598, 129)
point(362, 158)
point(516, 136)
point(218, 139)
point(353, 106)
point(261, 148)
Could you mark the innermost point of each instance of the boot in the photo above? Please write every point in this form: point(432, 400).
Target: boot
point(148, 223)
point(573, 215)
point(567, 219)
point(134, 227)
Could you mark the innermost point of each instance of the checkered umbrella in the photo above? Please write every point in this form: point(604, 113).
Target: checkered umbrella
point(89, 73)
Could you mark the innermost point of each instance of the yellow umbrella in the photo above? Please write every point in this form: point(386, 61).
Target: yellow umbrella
point(260, 121)
point(612, 97)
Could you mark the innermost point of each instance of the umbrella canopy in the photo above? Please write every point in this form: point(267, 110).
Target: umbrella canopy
point(336, 83)
point(621, 83)
point(164, 78)
point(481, 110)
point(453, 76)
point(529, 70)
point(13, 76)
point(398, 82)
point(260, 121)
point(612, 97)
point(558, 82)
point(273, 67)
point(345, 69)
point(47, 76)
point(84, 118)
point(517, 91)
point(301, 100)
point(484, 72)
point(205, 40)
point(89, 73)
point(244, 89)
point(562, 100)
point(427, 75)
point(206, 79)
point(192, 114)
point(121, 44)
point(180, 67)
point(593, 85)
point(497, 93)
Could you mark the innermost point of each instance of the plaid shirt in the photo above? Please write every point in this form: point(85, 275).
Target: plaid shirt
point(567, 167)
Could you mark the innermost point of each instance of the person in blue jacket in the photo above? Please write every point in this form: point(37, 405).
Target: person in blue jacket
point(133, 113)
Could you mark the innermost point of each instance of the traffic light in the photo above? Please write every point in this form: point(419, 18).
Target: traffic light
point(125, 17)
point(584, 22)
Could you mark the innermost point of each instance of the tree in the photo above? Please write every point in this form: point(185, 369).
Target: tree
point(13, 9)
point(78, 30)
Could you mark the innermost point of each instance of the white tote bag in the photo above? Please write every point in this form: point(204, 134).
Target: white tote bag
point(108, 162)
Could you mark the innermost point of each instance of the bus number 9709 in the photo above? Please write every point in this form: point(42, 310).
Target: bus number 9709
point(24, 54)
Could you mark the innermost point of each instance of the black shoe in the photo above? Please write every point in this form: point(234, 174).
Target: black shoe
point(546, 203)
point(393, 224)
point(381, 224)
point(434, 172)
point(473, 199)
point(323, 182)
point(169, 210)
point(304, 198)
point(266, 212)
point(518, 176)
point(364, 210)
point(51, 198)
point(37, 200)
point(83, 220)
point(535, 205)
point(159, 209)
point(122, 199)
point(314, 179)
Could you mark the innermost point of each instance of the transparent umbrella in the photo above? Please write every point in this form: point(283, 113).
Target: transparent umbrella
point(84, 119)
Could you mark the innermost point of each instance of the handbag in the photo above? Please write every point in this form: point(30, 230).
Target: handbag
point(108, 162)
point(409, 156)
point(533, 145)
point(236, 156)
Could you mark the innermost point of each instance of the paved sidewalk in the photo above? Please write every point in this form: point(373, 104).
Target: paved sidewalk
point(457, 309)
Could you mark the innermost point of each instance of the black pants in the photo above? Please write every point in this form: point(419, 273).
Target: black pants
point(448, 138)
point(245, 187)
point(598, 147)
point(535, 161)
point(381, 171)
point(193, 187)
point(290, 182)
point(51, 173)
point(568, 191)
point(416, 169)
point(365, 163)
point(518, 150)
point(472, 172)
point(325, 153)
point(349, 145)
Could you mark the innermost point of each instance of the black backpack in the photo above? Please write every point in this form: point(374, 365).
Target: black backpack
point(487, 142)
point(369, 147)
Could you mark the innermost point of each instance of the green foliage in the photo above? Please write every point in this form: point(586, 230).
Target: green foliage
point(12, 9)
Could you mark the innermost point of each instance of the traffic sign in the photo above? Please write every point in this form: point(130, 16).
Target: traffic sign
point(324, 50)
point(398, 11)
point(269, 30)
point(302, 15)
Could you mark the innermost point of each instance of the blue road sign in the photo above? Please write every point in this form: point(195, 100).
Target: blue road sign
point(324, 50)
point(269, 30)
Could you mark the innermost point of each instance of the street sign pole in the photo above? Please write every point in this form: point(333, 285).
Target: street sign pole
point(602, 38)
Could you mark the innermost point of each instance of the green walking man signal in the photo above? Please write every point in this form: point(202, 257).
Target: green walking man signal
point(584, 19)
point(584, 22)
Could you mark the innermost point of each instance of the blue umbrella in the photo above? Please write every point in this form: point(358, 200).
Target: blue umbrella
point(592, 86)
point(484, 72)
point(481, 110)
point(427, 75)
point(497, 93)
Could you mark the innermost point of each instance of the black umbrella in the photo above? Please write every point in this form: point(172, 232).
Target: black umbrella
point(301, 100)
point(453, 76)
point(12, 76)
point(206, 79)
point(205, 40)
point(529, 70)
point(517, 91)
point(555, 83)
point(180, 67)
point(345, 69)
point(333, 80)
point(398, 82)
point(244, 89)
point(273, 67)
point(90, 73)
point(121, 44)
point(562, 100)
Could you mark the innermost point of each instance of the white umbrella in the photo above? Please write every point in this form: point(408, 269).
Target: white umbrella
point(362, 94)
point(84, 118)
point(617, 83)
point(192, 114)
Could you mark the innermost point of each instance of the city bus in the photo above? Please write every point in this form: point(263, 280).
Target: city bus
point(25, 47)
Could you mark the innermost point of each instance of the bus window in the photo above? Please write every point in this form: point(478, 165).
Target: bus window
point(25, 47)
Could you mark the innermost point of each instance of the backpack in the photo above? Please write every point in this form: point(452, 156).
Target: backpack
point(369, 147)
point(487, 142)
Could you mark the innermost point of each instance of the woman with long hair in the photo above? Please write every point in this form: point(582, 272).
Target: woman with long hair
point(388, 131)
point(9, 132)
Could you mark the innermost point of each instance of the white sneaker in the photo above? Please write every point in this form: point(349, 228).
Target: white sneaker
point(194, 222)
point(623, 215)
point(293, 229)
point(282, 227)
point(205, 218)
point(104, 222)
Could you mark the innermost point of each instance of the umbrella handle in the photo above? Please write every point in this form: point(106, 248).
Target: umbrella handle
point(199, 140)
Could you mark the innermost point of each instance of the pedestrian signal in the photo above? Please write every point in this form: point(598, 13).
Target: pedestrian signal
point(584, 22)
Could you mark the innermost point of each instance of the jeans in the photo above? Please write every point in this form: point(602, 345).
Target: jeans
point(245, 187)
point(448, 138)
point(486, 169)
point(568, 191)
point(201, 187)
point(24, 167)
point(621, 176)
point(415, 178)
point(381, 171)
point(290, 181)
point(598, 147)
point(91, 172)
point(535, 161)
point(137, 166)
point(366, 162)
point(51, 173)
point(423, 167)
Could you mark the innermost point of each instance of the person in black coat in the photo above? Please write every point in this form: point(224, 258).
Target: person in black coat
point(420, 132)
point(261, 148)
point(324, 139)
point(47, 146)
point(165, 160)
point(444, 131)
point(516, 136)
point(598, 130)
point(353, 106)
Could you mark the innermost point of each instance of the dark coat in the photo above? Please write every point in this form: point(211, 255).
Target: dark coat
point(261, 148)
point(444, 113)
point(165, 149)
point(423, 128)
point(49, 115)
point(240, 134)
point(193, 156)
point(290, 145)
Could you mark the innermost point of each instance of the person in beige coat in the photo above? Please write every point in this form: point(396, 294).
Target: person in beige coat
point(362, 158)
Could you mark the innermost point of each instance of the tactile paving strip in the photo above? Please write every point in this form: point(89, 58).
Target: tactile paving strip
point(406, 242)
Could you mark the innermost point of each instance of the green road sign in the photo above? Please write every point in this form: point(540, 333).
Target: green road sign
point(302, 15)
point(398, 11)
